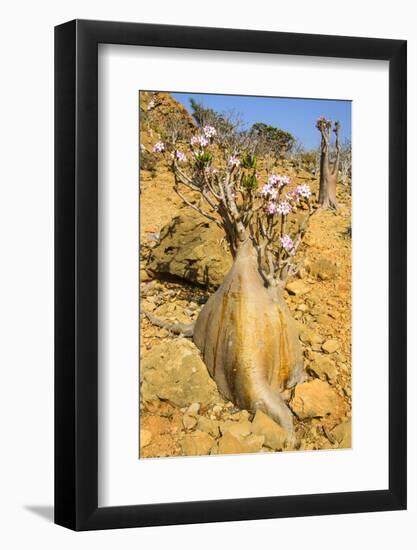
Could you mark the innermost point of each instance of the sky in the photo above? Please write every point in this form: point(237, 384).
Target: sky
point(297, 116)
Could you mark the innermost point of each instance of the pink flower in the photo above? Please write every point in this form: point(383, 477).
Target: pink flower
point(200, 141)
point(209, 131)
point(179, 155)
point(234, 161)
point(286, 242)
point(159, 147)
point(271, 208)
point(303, 191)
point(279, 181)
point(268, 191)
point(284, 208)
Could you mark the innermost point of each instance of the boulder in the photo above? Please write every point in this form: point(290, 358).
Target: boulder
point(174, 371)
point(298, 288)
point(322, 366)
point(189, 422)
point(343, 434)
point(330, 346)
point(196, 444)
point(192, 248)
point(317, 399)
point(209, 426)
point(238, 429)
point(275, 436)
point(308, 336)
point(230, 444)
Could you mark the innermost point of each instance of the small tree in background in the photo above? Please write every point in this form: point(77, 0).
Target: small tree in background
point(328, 171)
point(245, 331)
point(346, 162)
point(276, 140)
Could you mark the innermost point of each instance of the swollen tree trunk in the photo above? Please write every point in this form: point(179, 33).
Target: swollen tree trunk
point(328, 182)
point(328, 172)
point(249, 340)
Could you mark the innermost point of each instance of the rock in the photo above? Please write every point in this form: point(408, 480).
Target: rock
point(174, 371)
point(324, 320)
point(298, 288)
point(209, 426)
point(193, 409)
point(238, 429)
point(254, 442)
point(275, 436)
point(343, 434)
point(189, 422)
point(240, 415)
point(147, 305)
point(145, 438)
point(308, 336)
point(317, 399)
point(322, 366)
point(330, 346)
point(196, 444)
point(217, 410)
point(191, 248)
point(144, 276)
point(230, 444)
point(322, 269)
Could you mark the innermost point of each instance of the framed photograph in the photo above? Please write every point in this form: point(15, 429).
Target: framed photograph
point(230, 253)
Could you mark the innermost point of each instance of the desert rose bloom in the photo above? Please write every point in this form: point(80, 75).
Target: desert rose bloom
point(234, 161)
point(303, 191)
point(179, 155)
point(286, 242)
point(284, 208)
point(159, 147)
point(271, 208)
point(209, 131)
point(199, 141)
point(268, 191)
point(279, 181)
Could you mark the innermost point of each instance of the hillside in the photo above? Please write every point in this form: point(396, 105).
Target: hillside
point(202, 422)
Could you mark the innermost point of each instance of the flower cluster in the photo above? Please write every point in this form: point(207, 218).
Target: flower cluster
point(303, 191)
point(199, 141)
point(286, 242)
point(159, 147)
point(179, 155)
point(271, 208)
point(279, 181)
point(284, 208)
point(209, 131)
point(268, 191)
point(234, 161)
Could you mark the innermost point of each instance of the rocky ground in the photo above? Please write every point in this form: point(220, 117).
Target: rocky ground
point(183, 259)
point(181, 411)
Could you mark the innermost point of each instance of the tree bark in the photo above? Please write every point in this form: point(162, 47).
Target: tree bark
point(328, 172)
point(249, 340)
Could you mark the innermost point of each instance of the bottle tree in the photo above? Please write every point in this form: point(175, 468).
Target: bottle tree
point(247, 336)
point(329, 171)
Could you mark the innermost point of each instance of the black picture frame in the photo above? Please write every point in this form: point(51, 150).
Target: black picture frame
point(76, 272)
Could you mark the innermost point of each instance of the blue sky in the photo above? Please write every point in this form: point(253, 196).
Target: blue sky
point(297, 116)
